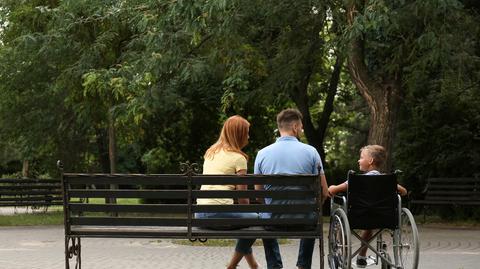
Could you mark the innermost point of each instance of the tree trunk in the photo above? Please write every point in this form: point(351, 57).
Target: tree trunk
point(26, 169)
point(112, 150)
point(383, 121)
point(103, 151)
point(382, 97)
point(315, 135)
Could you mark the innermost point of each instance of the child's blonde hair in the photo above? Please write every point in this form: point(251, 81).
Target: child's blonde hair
point(377, 152)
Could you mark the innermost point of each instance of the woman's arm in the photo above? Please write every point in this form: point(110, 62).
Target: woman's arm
point(244, 201)
point(260, 188)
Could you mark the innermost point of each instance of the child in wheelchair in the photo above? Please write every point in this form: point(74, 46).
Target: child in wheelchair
point(371, 159)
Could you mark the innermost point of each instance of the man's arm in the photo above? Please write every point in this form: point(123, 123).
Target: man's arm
point(323, 182)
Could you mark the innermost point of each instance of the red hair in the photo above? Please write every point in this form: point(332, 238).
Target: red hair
point(233, 137)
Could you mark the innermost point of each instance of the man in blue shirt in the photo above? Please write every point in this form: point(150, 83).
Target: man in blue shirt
point(288, 156)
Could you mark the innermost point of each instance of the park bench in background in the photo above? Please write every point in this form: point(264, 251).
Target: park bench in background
point(450, 192)
point(34, 193)
point(176, 221)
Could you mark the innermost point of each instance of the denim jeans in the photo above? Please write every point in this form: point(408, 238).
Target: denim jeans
point(270, 246)
point(227, 215)
point(272, 252)
point(305, 252)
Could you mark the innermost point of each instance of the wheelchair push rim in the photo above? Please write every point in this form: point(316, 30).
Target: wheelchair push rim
point(339, 243)
point(408, 245)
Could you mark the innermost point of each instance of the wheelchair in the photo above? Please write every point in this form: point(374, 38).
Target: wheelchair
point(372, 203)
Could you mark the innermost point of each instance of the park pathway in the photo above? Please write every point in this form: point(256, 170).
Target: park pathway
point(42, 248)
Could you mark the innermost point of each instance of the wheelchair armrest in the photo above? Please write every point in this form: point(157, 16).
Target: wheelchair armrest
point(339, 198)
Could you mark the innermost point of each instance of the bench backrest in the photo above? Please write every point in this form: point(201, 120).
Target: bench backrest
point(178, 192)
point(30, 192)
point(453, 189)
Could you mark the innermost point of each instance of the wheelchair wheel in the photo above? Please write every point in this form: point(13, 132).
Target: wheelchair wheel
point(339, 240)
point(408, 245)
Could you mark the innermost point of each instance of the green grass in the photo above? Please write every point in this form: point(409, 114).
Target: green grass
point(120, 201)
point(221, 242)
point(31, 219)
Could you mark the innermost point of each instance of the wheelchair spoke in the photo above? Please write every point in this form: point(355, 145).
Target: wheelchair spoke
point(339, 240)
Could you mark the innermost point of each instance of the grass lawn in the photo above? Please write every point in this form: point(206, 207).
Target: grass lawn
point(54, 216)
point(30, 219)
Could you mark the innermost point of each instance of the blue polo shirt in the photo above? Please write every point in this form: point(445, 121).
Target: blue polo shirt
point(287, 156)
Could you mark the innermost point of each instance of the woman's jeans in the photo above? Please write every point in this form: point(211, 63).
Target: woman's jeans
point(272, 252)
point(270, 246)
point(227, 215)
point(244, 246)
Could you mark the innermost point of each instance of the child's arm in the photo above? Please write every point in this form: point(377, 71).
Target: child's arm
point(334, 189)
point(401, 190)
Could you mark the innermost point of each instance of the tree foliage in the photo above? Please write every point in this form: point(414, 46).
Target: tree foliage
point(165, 74)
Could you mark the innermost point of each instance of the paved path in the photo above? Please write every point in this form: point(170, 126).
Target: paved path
point(42, 248)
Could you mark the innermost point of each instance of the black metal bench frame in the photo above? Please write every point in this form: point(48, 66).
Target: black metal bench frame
point(450, 192)
point(83, 220)
point(28, 192)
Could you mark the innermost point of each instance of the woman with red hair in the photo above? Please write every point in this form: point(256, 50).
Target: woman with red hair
point(226, 157)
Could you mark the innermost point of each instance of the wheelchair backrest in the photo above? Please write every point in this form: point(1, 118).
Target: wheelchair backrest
point(372, 201)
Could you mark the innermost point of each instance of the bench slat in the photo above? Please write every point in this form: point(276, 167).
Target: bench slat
point(181, 233)
point(451, 187)
point(452, 198)
point(454, 180)
point(255, 208)
point(119, 221)
point(183, 194)
point(97, 233)
point(452, 193)
point(281, 180)
point(141, 208)
point(159, 194)
point(210, 222)
point(223, 222)
point(286, 194)
point(125, 179)
point(182, 208)
point(248, 233)
point(433, 202)
point(175, 179)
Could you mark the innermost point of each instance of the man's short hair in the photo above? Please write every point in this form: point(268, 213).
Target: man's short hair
point(287, 117)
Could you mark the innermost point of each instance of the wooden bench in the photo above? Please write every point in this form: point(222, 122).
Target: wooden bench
point(35, 193)
point(177, 221)
point(450, 191)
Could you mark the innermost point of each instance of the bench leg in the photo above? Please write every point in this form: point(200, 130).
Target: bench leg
point(73, 249)
point(322, 252)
